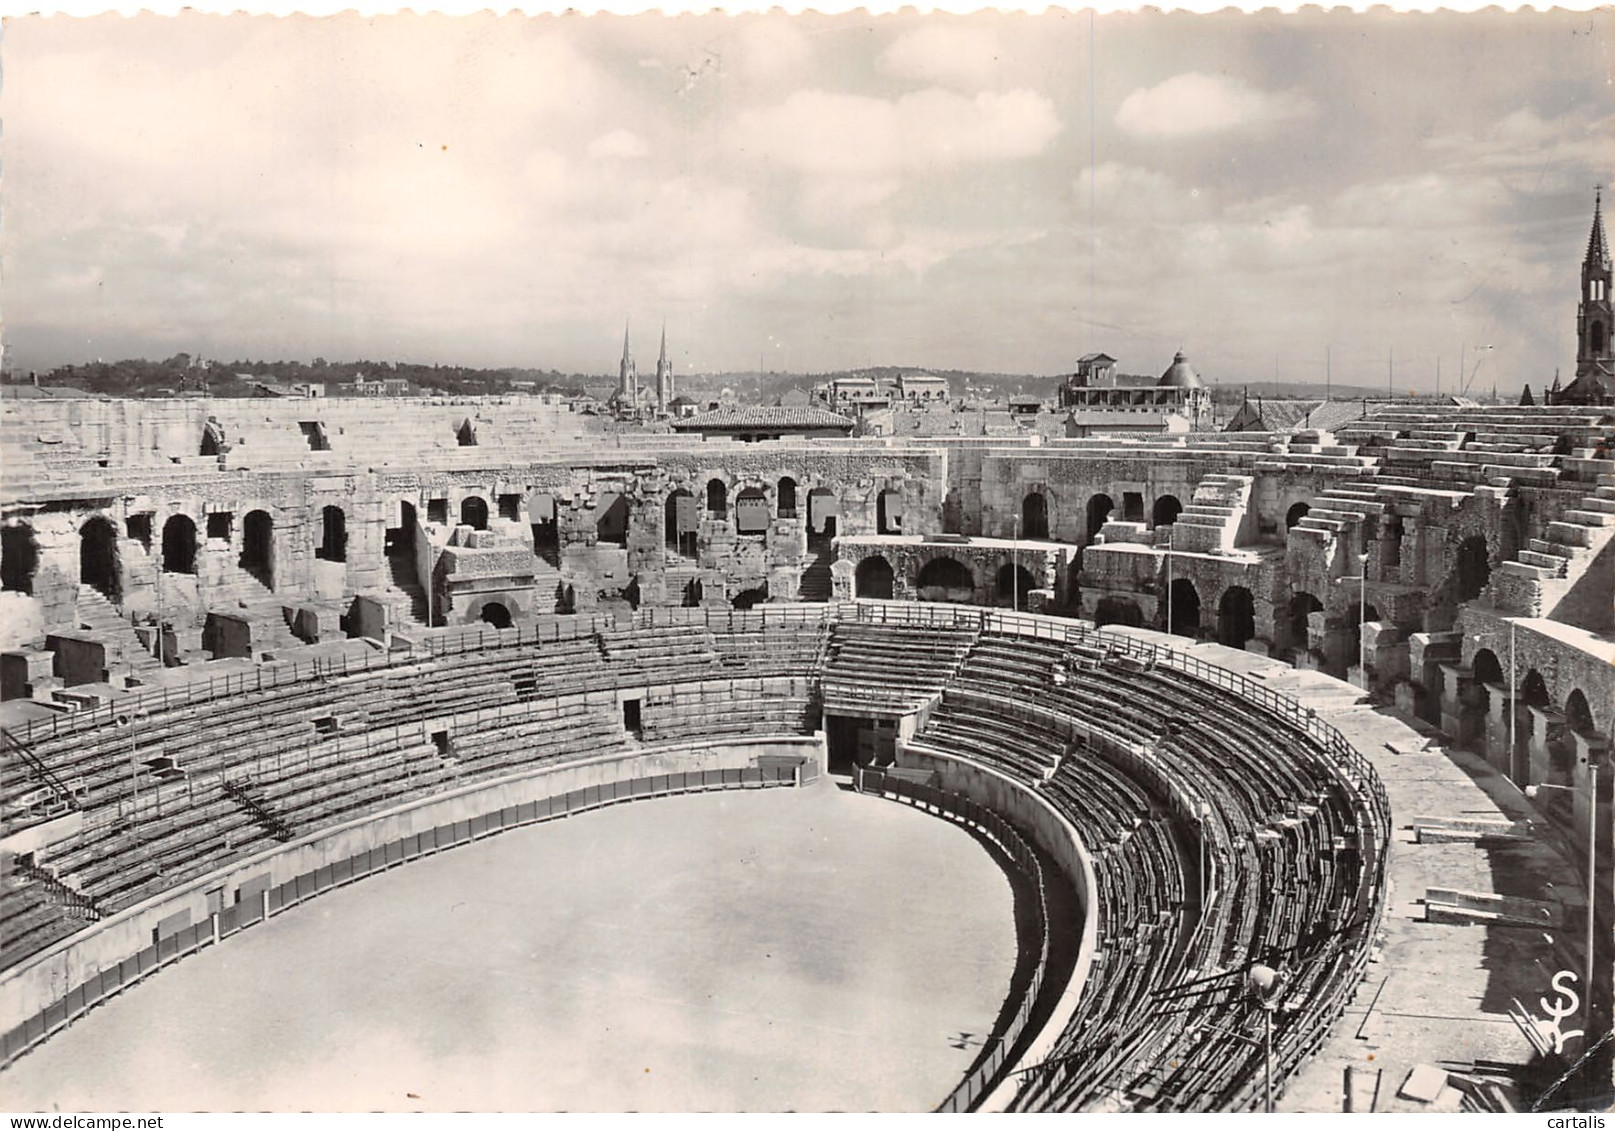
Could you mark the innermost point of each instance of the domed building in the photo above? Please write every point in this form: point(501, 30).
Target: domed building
point(1103, 400)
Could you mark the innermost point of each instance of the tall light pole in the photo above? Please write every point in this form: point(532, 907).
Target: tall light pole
point(1169, 581)
point(1513, 696)
point(1531, 791)
point(1015, 568)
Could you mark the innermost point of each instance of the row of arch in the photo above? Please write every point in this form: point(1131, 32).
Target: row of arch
point(941, 579)
point(1099, 509)
point(1035, 523)
point(1181, 614)
point(1533, 691)
point(180, 546)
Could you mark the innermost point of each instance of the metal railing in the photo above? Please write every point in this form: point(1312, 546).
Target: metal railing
point(440, 645)
point(1301, 1037)
point(271, 901)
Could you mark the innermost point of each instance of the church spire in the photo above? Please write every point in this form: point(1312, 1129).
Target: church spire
point(1597, 245)
point(627, 385)
point(664, 375)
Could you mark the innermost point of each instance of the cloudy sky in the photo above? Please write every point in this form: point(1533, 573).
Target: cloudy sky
point(996, 193)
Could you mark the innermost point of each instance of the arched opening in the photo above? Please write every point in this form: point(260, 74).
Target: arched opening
point(546, 531)
point(1165, 511)
point(333, 545)
point(873, 579)
point(786, 495)
point(889, 512)
point(823, 509)
point(751, 511)
point(747, 598)
point(258, 545)
point(1487, 668)
point(1534, 691)
point(1236, 617)
point(1012, 585)
point(474, 512)
point(179, 545)
point(1471, 569)
point(1118, 610)
point(944, 579)
point(1099, 508)
point(680, 523)
point(495, 613)
point(717, 498)
point(19, 558)
point(1488, 675)
point(693, 592)
point(611, 523)
point(1035, 516)
point(953, 512)
point(1578, 715)
point(1302, 605)
point(466, 434)
point(212, 438)
point(1295, 514)
point(98, 557)
point(1183, 608)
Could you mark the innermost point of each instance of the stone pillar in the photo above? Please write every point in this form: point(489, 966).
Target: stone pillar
point(1411, 569)
point(1536, 759)
point(1458, 714)
point(1497, 735)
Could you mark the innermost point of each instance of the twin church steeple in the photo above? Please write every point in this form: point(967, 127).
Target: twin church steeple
point(628, 393)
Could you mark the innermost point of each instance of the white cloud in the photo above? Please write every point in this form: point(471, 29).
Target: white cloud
point(956, 54)
point(621, 145)
point(815, 131)
point(1196, 103)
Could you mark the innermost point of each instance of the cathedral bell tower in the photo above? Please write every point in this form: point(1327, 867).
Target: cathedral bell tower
point(1595, 318)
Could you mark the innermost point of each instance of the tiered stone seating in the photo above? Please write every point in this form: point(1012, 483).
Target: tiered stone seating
point(729, 708)
point(889, 669)
point(32, 919)
point(264, 753)
point(1152, 744)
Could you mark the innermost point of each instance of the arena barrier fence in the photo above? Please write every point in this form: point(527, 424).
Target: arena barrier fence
point(1291, 1045)
point(956, 807)
point(1301, 1036)
point(229, 921)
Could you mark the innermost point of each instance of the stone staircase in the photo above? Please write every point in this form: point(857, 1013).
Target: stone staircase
point(1573, 566)
point(1210, 523)
point(94, 613)
point(401, 578)
point(1340, 509)
point(816, 584)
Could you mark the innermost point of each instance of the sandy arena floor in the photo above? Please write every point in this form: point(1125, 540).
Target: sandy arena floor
point(783, 949)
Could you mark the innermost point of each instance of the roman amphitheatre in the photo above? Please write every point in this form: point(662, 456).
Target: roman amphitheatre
point(1234, 733)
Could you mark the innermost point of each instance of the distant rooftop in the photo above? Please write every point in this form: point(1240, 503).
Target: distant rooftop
point(763, 416)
